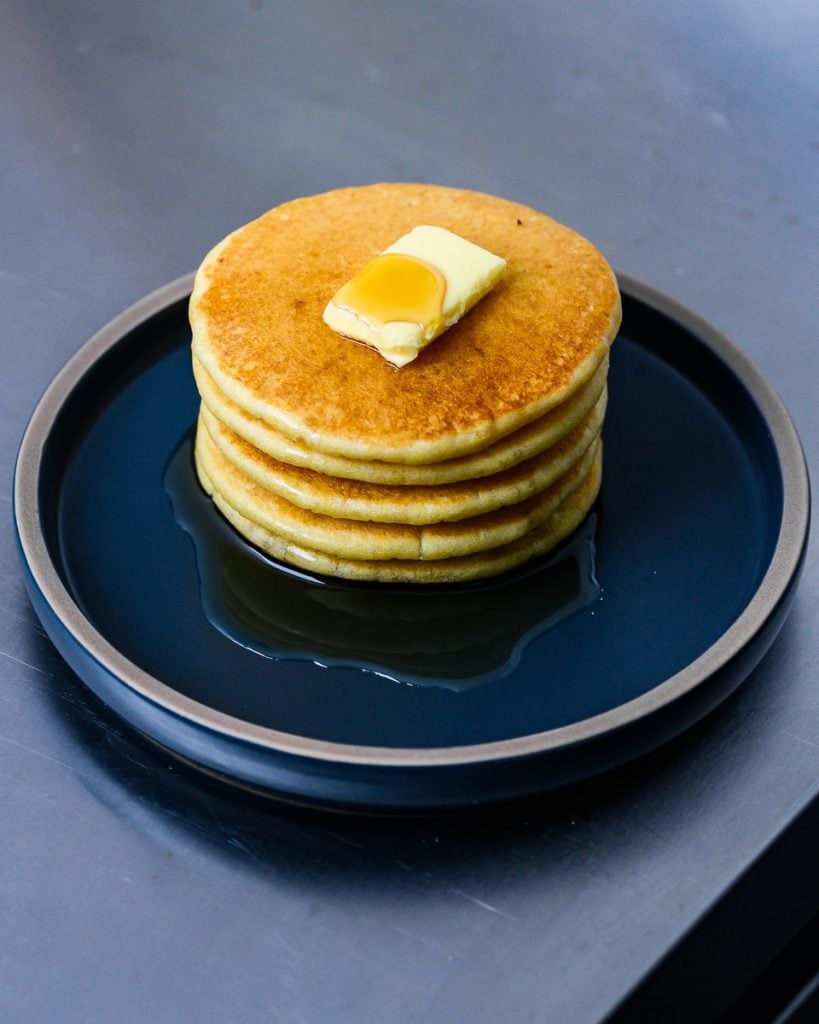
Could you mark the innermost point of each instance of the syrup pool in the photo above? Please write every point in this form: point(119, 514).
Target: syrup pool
point(456, 636)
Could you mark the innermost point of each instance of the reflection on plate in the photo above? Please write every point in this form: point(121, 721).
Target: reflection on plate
point(698, 541)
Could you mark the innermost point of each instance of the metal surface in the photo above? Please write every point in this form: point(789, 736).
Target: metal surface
point(683, 141)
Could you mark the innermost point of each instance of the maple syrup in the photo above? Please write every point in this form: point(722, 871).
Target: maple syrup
point(395, 288)
point(453, 635)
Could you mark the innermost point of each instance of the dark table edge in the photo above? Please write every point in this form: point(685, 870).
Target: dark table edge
point(701, 977)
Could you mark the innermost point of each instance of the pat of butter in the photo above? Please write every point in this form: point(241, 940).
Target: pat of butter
point(417, 288)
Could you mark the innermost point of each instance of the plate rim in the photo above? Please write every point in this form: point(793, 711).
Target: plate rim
point(772, 589)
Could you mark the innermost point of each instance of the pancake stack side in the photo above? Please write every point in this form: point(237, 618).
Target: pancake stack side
point(478, 456)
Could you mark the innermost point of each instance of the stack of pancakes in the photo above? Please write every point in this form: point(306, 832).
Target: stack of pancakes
point(482, 453)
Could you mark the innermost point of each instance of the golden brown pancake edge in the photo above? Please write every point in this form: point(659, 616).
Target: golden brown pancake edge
point(522, 444)
point(564, 520)
point(357, 540)
point(416, 505)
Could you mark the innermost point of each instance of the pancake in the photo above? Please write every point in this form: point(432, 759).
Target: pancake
point(256, 317)
point(523, 444)
point(388, 503)
point(350, 539)
point(563, 520)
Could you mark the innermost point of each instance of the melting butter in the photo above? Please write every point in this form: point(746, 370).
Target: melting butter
point(417, 288)
point(394, 287)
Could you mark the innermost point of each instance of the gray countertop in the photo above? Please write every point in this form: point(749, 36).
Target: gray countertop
point(682, 139)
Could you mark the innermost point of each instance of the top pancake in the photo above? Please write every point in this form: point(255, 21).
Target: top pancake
point(256, 315)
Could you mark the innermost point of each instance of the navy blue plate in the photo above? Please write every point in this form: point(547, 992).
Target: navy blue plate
point(310, 690)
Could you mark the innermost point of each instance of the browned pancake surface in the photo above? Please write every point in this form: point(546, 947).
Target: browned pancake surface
point(258, 329)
